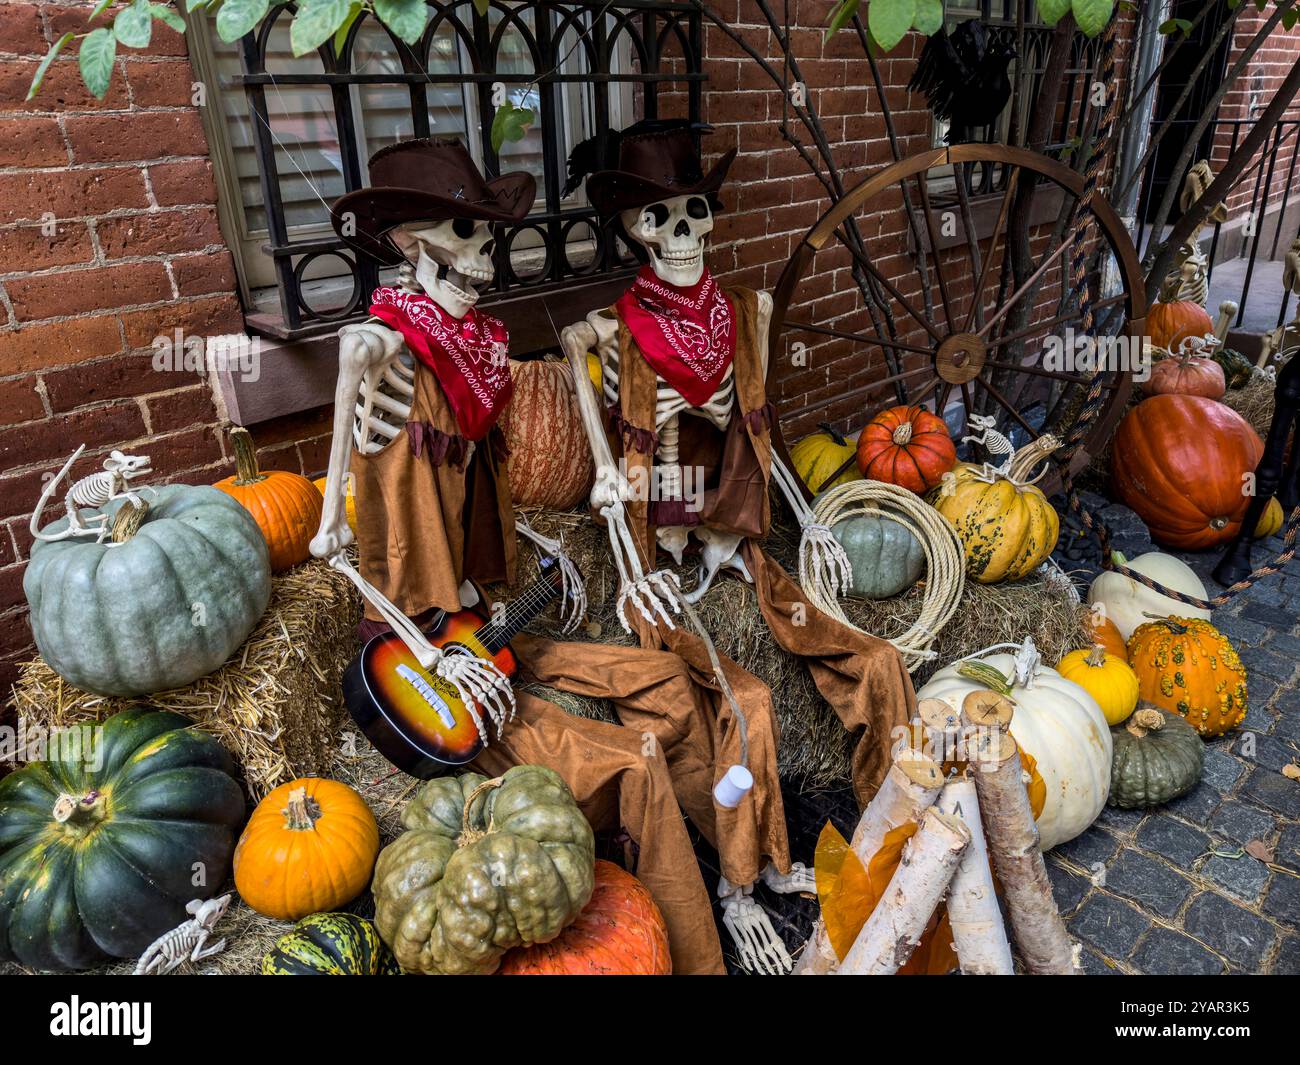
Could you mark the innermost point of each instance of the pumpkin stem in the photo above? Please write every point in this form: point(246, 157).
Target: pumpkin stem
point(246, 471)
point(836, 436)
point(469, 834)
point(1026, 458)
point(1172, 624)
point(301, 811)
point(990, 676)
point(127, 521)
point(79, 811)
point(903, 434)
point(1145, 720)
point(1097, 656)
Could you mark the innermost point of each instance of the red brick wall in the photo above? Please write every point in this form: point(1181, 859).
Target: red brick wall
point(130, 250)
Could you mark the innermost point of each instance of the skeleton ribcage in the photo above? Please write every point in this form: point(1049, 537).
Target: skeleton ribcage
point(383, 405)
point(667, 401)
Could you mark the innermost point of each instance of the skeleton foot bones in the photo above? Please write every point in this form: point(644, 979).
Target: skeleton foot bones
point(758, 947)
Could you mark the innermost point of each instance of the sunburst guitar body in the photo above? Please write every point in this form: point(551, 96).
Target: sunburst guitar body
point(415, 718)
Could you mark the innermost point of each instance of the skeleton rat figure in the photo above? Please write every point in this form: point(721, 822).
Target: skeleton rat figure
point(683, 439)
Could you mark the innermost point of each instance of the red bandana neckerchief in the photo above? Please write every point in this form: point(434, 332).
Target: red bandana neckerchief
point(468, 355)
point(688, 335)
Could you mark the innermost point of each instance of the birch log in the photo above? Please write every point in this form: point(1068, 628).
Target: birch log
point(896, 925)
point(1013, 847)
point(978, 934)
point(910, 787)
point(942, 726)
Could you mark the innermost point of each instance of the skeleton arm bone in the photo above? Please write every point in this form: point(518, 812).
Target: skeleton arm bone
point(822, 561)
point(573, 590)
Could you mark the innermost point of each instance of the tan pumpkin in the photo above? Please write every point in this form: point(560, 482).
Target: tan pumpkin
point(819, 455)
point(1106, 677)
point(550, 458)
point(1271, 520)
point(309, 847)
point(286, 506)
point(1187, 666)
point(1007, 526)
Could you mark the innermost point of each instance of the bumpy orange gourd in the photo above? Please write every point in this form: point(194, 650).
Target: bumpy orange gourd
point(309, 847)
point(286, 506)
point(906, 446)
point(1170, 323)
point(1185, 665)
point(1106, 677)
point(1106, 633)
point(620, 932)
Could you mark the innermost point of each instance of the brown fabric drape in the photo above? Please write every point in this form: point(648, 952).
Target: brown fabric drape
point(620, 780)
point(862, 677)
point(671, 698)
point(426, 518)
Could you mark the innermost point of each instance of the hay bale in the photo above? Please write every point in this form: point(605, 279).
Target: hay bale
point(814, 751)
point(1254, 400)
point(276, 704)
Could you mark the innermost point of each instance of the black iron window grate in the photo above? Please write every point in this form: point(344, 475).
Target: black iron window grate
point(549, 50)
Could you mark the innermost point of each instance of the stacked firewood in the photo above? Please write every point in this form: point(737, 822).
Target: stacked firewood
point(974, 821)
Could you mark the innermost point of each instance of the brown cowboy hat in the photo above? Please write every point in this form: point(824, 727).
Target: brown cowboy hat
point(649, 161)
point(429, 179)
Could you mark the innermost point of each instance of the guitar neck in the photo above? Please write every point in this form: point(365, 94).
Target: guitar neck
point(496, 633)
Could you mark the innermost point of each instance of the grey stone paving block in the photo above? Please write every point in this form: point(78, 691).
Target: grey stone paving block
point(1125, 822)
point(1265, 615)
point(1270, 752)
point(1168, 953)
point(1229, 929)
point(1288, 848)
point(1259, 718)
point(1179, 843)
point(1068, 887)
point(1197, 805)
point(1222, 769)
point(1283, 899)
point(1244, 877)
point(1092, 847)
point(1241, 631)
point(1151, 884)
point(1286, 644)
point(1113, 927)
point(1093, 964)
point(1287, 962)
point(1273, 790)
point(1240, 823)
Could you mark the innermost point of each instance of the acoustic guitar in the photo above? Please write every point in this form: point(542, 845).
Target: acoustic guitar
point(416, 719)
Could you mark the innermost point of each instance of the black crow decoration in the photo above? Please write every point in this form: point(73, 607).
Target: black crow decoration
point(964, 78)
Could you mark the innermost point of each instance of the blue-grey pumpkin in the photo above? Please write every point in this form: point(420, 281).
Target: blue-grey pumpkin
point(886, 557)
point(165, 607)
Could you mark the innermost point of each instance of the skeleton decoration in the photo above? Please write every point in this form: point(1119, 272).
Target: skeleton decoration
point(187, 941)
point(997, 445)
point(93, 491)
point(444, 263)
point(671, 233)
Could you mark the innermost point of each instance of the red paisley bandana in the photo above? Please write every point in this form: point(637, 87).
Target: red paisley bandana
point(468, 354)
point(687, 334)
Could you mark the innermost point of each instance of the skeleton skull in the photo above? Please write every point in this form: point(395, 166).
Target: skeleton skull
point(673, 232)
point(452, 259)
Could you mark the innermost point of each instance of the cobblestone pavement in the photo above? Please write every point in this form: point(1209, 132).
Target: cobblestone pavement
point(1169, 890)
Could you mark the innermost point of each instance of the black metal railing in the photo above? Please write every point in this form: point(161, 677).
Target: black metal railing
point(663, 46)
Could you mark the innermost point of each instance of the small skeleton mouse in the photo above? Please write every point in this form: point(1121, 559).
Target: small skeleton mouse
point(186, 942)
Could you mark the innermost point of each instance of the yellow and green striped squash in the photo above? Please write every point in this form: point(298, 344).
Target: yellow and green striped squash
point(330, 944)
point(1007, 529)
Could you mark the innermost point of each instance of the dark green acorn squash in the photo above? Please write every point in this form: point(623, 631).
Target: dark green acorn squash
point(330, 944)
point(1157, 757)
point(1236, 367)
point(102, 846)
point(484, 866)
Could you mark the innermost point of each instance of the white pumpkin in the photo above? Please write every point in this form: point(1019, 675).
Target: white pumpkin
point(1128, 603)
point(1061, 726)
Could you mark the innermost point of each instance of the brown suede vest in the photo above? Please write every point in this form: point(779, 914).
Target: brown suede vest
point(736, 462)
point(428, 519)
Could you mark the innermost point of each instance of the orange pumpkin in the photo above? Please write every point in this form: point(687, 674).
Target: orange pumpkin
point(906, 446)
point(1180, 463)
point(1106, 633)
point(1188, 667)
point(309, 847)
point(550, 458)
point(1186, 375)
point(620, 932)
point(286, 506)
point(1170, 323)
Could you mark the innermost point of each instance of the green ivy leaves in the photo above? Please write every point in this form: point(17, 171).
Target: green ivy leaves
point(98, 51)
point(510, 123)
point(888, 21)
point(1091, 16)
point(236, 17)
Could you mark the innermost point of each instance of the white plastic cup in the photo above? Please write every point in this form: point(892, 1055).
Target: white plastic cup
point(733, 787)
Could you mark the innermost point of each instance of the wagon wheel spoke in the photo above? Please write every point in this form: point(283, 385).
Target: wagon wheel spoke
point(1038, 371)
point(922, 320)
point(928, 213)
point(862, 338)
point(977, 300)
point(1007, 406)
point(1029, 283)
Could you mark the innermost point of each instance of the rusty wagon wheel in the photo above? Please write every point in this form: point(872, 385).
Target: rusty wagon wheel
point(927, 340)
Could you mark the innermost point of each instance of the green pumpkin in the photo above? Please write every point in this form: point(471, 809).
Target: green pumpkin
point(886, 557)
point(1237, 369)
point(483, 866)
point(1157, 757)
point(102, 847)
point(330, 944)
point(158, 611)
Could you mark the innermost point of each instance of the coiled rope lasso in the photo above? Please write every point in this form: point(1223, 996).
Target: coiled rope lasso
point(945, 578)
